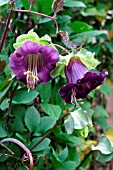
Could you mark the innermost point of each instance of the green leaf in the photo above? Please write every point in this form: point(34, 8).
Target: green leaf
point(69, 125)
point(17, 109)
point(109, 45)
point(84, 132)
point(104, 146)
point(18, 4)
point(56, 160)
point(18, 125)
point(68, 165)
point(46, 123)
point(3, 158)
point(87, 58)
point(4, 105)
point(89, 35)
point(101, 112)
point(3, 4)
point(43, 145)
point(104, 158)
point(52, 110)
point(59, 70)
point(79, 26)
point(72, 3)
point(22, 96)
point(63, 155)
point(105, 89)
point(32, 118)
point(3, 133)
point(4, 91)
point(102, 122)
point(74, 155)
point(80, 119)
point(42, 6)
point(45, 91)
point(21, 168)
point(5, 83)
point(93, 11)
point(63, 19)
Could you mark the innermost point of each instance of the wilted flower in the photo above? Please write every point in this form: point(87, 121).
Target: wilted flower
point(80, 81)
point(33, 62)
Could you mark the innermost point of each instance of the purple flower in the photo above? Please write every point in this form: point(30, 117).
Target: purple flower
point(33, 62)
point(80, 81)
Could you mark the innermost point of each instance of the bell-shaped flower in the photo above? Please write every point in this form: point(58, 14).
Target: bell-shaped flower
point(33, 62)
point(81, 81)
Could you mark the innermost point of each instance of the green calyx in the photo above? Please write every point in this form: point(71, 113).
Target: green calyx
point(32, 36)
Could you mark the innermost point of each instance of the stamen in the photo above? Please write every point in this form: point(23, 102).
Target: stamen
point(32, 63)
point(35, 77)
point(73, 96)
point(27, 72)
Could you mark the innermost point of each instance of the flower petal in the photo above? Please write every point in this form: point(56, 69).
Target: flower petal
point(75, 70)
point(66, 92)
point(83, 86)
point(36, 57)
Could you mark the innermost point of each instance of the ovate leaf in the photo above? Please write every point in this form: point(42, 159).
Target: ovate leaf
point(72, 3)
point(32, 118)
point(51, 110)
point(68, 165)
point(101, 112)
point(46, 123)
point(63, 155)
point(105, 89)
point(80, 119)
point(43, 145)
point(89, 34)
point(104, 146)
point(104, 158)
point(69, 125)
point(3, 4)
point(3, 133)
point(59, 70)
point(22, 96)
point(45, 91)
point(79, 26)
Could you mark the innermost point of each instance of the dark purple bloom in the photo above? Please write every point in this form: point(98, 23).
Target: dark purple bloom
point(80, 81)
point(33, 62)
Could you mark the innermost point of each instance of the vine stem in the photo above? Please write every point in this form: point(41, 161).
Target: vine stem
point(40, 14)
point(6, 29)
point(82, 162)
point(6, 119)
point(48, 133)
point(64, 49)
point(10, 103)
point(6, 147)
point(23, 147)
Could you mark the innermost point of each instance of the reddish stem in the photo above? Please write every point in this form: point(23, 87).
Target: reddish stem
point(40, 14)
point(5, 31)
point(64, 49)
point(23, 147)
